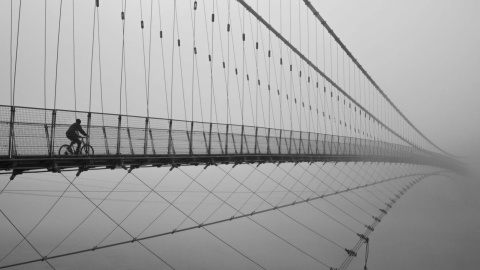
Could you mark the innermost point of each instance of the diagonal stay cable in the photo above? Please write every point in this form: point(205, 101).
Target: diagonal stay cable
point(201, 202)
point(343, 196)
point(241, 253)
point(326, 200)
point(323, 212)
point(278, 184)
point(341, 171)
point(206, 224)
point(365, 179)
point(337, 192)
point(348, 176)
point(360, 242)
point(314, 177)
point(169, 203)
point(373, 177)
point(254, 192)
point(6, 185)
point(357, 183)
point(286, 241)
point(135, 208)
point(387, 189)
point(297, 179)
point(42, 258)
point(305, 226)
point(228, 198)
point(373, 194)
point(40, 221)
point(101, 210)
point(85, 219)
point(201, 225)
point(189, 217)
point(308, 228)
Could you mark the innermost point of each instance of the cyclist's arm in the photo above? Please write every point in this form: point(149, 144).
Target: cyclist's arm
point(81, 131)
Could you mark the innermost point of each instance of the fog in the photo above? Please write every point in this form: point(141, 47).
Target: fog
point(423, 54)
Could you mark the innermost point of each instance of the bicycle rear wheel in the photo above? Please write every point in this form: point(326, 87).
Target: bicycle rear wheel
point(87, 150)
point(65, 150)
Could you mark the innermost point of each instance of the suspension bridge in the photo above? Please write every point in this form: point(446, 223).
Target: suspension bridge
point(258, 106)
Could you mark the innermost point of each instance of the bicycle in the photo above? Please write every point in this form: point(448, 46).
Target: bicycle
point(85, 149)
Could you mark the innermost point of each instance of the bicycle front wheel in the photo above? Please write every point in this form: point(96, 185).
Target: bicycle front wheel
point(64, 150)
point(87, 150)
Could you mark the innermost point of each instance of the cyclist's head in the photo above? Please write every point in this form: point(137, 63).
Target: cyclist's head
point(79, 121)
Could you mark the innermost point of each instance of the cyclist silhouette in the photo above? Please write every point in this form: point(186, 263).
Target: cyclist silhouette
point(72, 134)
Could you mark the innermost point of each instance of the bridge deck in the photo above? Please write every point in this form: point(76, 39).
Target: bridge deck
point(30, 139)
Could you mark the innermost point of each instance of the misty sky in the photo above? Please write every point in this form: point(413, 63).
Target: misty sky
point(424, 55)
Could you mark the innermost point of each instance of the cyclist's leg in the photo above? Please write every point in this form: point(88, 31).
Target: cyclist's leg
point(77, 141)
point(72, 142)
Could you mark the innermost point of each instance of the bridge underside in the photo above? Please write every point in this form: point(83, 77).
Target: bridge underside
point(30, 139)
point(84, 163)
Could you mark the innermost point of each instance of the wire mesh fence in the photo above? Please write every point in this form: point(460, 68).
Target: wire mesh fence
point(41, 132)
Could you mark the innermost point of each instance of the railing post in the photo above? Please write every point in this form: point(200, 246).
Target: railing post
point(210, 140)
point(352, 146)
point(280, 143)
point(339, 146)
point(107, 151)
point(256, 142)
point(346, 144)
point(380, 150)
point(300, 144)
point(220, 140)
point(362, 150)
point(118, 133)
point(290, 146)
point(268, 142)
point(373, 148)
point(151, 141)
point(89, 122)
point(234, 143)
point(324, 144)
point(360, 147)
point(169, 136)
point(332, 138)
point(190, 147)
point(145, 143)
point(357, 146)
point(130, 141)
point(226, 141)
point(241, 141)
point(308, 149)
point(47, 137)
point(52, 133)
point(10, 136)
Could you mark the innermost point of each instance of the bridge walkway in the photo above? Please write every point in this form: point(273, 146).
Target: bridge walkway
point(30, 139)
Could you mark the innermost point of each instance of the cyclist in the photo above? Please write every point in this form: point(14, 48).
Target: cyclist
point(72, 134)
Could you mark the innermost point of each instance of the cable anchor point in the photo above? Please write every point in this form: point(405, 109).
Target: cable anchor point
point(351, 252)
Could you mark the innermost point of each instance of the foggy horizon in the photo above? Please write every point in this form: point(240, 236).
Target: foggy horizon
point(213, 62)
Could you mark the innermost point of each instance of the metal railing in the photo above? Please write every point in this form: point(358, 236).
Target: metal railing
point(40, 132)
